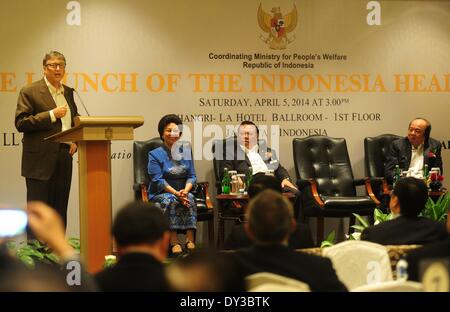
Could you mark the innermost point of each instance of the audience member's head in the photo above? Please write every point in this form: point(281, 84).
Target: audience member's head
point(263, 182)
point(141, 227)
point(409, 197)
point(205, 271)
point(270, 218)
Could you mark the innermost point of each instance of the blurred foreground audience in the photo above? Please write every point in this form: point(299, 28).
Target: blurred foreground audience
point(270, 222)
point(40, 279)
point(206, 271)
point(47, 226)
point(301, 236)
point(431, 252)
point(142, 236)
point(408, 199)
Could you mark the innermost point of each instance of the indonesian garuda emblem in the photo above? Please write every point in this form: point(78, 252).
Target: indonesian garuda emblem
point(277, 26)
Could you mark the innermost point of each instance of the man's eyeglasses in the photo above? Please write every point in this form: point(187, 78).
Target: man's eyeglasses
point(56, 65)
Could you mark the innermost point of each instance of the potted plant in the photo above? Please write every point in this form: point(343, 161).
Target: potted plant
point(379, 217)
point(437, 210)
point(33, 250)
point(329, 241)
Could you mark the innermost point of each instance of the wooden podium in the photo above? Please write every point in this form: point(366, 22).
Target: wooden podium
point(93, 136)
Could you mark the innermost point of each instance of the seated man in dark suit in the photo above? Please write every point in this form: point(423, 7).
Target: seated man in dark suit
point(270, 222)
point(436, 251)
point(246, 153)
point(141, 232)
point(414, 151)
point(300, 238)
point(407, 201)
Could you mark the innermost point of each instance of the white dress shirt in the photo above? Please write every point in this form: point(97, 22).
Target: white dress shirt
point(416, 165)
point(60, 100)
point(258, 164)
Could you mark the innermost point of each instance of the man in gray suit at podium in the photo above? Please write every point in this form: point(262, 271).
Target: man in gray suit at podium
point(44, 108)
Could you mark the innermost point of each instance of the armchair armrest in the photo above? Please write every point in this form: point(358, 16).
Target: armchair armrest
point(208, 201)
point(144, 193)
point(374, 181)
point(302, 183)
point(367, 182)
point(385, 187)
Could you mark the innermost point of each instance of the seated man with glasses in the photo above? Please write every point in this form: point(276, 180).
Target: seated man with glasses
point(246, 152)
point(44, 108)
point(54, 66)
point(414, 151)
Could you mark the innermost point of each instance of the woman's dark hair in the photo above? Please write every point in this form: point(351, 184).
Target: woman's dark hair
point(168, 119)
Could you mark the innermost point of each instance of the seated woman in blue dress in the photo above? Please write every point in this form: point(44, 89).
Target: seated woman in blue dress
point(172, 176)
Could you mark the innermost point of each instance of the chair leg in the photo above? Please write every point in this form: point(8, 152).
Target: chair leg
point(220, 233)
point(211, 232)
point(351, 222)
point(320, 229)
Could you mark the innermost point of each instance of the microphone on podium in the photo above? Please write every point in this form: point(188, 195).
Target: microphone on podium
point(82, 103)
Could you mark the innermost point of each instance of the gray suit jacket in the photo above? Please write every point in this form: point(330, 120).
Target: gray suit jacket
point(33, 119)
point(400, 154)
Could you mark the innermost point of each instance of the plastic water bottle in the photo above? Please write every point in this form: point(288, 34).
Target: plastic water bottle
point(402, 270)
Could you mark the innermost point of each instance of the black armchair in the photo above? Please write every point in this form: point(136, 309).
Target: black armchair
point(219, 150)
point(376, 150)
point(326, 181)
point(141, 181)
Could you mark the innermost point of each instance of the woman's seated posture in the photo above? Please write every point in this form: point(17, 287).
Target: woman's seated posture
point(172, 176)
